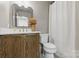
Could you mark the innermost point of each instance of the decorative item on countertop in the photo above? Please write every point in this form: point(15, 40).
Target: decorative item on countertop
point(32, 23)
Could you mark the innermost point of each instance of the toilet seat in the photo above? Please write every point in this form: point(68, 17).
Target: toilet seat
point(49, 47)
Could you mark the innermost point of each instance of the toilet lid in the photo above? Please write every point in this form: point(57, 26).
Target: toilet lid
point(49, 45)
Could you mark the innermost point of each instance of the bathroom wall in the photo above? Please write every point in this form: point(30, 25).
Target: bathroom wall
point(40, 12)
point(4, 14)
point(77, 30)
point(63, 34)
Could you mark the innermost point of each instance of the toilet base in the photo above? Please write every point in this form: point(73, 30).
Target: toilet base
point(48, 55)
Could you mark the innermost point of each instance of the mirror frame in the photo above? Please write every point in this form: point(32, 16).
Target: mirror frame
point(27, 12)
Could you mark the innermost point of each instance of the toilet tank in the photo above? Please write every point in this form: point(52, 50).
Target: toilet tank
point(44, 38)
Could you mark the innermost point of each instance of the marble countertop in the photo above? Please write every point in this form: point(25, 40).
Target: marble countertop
point(6, 33)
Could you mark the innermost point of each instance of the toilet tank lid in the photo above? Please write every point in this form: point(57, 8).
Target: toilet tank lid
point(49, 45)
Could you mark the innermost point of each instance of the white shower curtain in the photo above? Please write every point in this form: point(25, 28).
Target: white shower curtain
point(61, 27)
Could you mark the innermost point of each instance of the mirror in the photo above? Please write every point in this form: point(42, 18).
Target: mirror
point(20, 16)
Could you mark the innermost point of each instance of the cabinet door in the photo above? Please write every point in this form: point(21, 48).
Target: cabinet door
point(6, 46)
point(1, 47)
point(18, 46)
point(32, 45)
point(11, 46)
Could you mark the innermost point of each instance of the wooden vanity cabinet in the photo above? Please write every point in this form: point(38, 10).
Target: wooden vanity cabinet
point(20, 46)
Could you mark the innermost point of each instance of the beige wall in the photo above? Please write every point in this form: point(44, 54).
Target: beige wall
point(41, 13)
point(77, 29)
point(4, 14)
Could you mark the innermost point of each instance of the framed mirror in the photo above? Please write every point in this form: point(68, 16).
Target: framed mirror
point(20, 16)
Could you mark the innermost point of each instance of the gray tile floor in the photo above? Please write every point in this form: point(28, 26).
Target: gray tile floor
point(42, 56)
point(55, 56)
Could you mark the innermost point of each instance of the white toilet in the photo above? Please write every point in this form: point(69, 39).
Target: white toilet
point(49, 48)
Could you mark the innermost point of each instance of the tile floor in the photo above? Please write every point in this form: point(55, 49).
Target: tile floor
point(55, 56)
